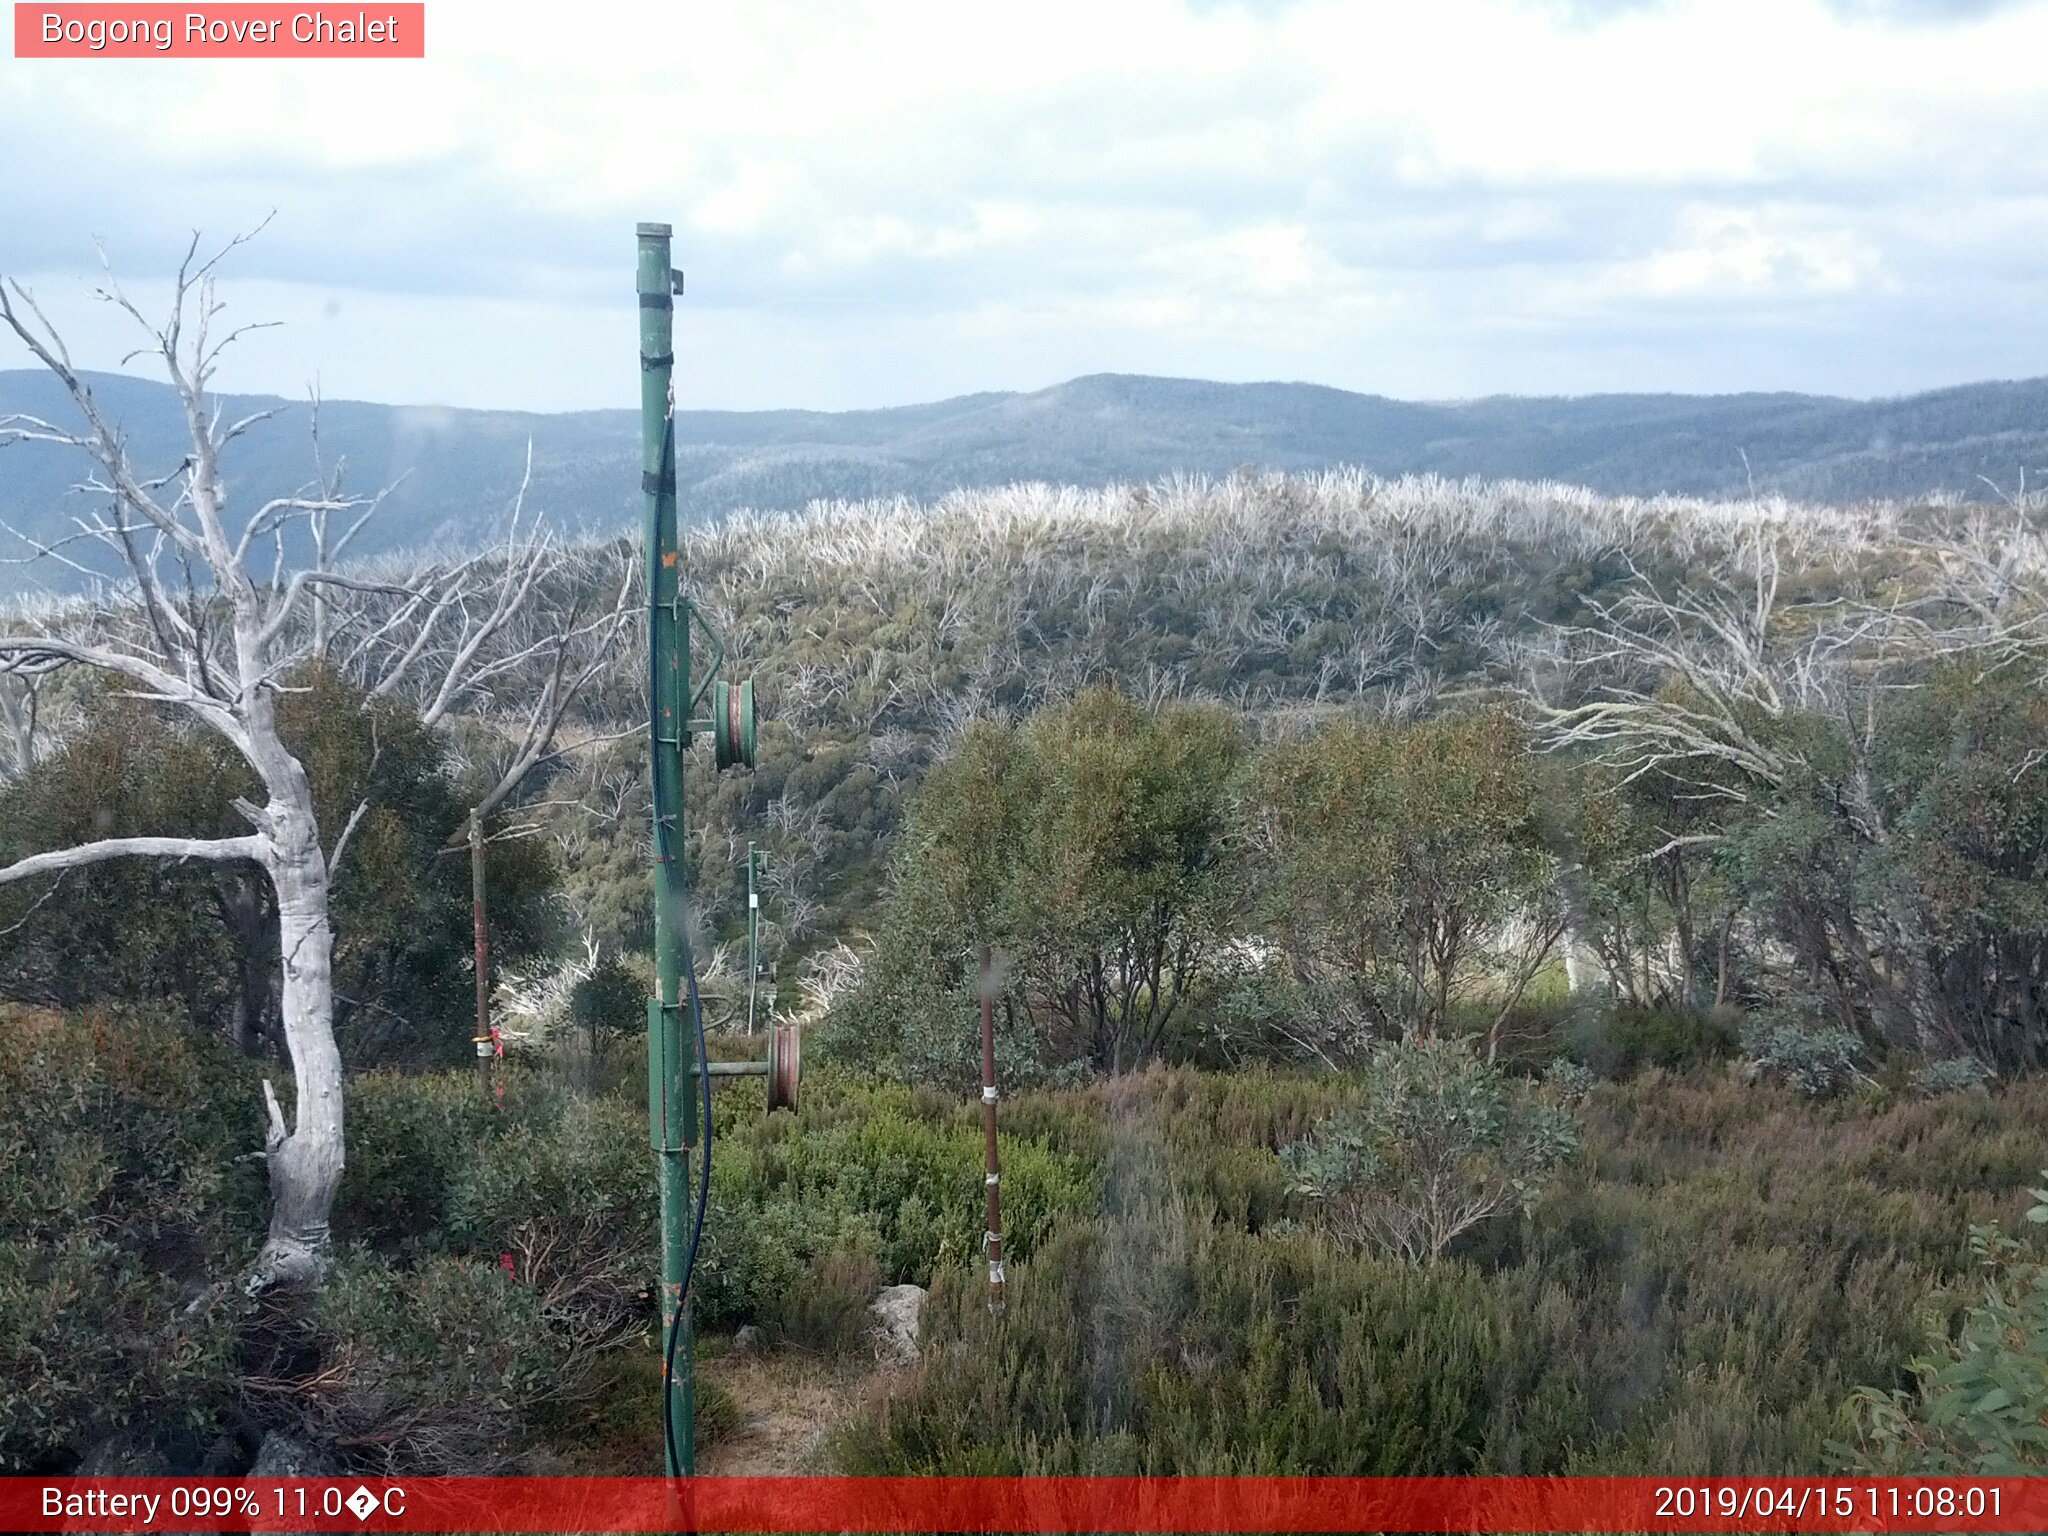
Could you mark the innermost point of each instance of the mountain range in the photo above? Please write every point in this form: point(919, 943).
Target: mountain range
point(458, 469)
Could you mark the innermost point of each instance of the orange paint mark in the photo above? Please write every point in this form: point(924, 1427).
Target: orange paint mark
point(668, 559)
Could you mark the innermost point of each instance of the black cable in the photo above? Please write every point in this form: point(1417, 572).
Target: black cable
point(675, 1326)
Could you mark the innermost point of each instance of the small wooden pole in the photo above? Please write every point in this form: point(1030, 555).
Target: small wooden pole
point(753, 936)
point(992, 1238)
point(486, 1039)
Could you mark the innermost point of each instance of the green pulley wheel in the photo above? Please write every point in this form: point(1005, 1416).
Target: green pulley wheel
point(732, 724)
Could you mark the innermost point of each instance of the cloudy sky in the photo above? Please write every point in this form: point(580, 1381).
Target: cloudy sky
point(885, 202)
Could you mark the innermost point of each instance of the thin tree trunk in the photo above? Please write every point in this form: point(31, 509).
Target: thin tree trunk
point(306, 1156)
point(1722, 959)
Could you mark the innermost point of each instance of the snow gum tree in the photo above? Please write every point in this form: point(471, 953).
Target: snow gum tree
point(198, 627)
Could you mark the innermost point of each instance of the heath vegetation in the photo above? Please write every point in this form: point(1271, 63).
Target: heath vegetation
point(1492, 979)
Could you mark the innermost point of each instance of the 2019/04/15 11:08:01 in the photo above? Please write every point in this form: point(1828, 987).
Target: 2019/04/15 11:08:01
point(1690, 1501)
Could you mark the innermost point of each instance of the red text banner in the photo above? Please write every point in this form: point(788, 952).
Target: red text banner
point(229, 31)
point(1027, 1504)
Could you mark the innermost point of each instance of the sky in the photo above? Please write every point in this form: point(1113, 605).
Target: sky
point(886, 201)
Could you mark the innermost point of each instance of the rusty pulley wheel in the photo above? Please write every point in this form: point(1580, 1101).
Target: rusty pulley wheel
point(732, 724)
point(785, 1064)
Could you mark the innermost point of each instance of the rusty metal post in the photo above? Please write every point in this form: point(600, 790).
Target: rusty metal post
point(992, 1238)
point(486, 1038)
point(753, 934)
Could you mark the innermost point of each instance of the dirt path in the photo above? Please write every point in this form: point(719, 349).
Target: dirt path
point(792, 1402)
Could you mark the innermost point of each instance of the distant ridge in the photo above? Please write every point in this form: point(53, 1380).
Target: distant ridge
point(461, 466)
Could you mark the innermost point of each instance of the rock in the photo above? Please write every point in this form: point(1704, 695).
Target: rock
point(128, 1453)
point(746, 1340)
point(282, 1456)
point(899, 1312)
point(141, 1451)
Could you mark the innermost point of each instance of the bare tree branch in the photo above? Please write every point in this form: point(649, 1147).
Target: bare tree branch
point(177, 848)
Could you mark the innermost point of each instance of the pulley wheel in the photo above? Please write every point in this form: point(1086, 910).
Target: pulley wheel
point(785, 1062)
point(732, 724)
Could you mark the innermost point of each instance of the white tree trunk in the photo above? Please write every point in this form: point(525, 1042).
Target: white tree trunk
point(305, 1161)
point(453, 621)
point(305, 1156)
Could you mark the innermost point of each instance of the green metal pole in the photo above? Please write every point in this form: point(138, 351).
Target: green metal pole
point(671, 1102)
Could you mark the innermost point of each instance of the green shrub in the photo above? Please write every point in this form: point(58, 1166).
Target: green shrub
point(440, 1369)
point(1159, 1343)
point(1980, 1404)
point(1957, 1074)
point(127, 1195)
point(1699, 1292)
point(408, 1136)
point(826, 1310)
point(91, 1338)
point(571, 1201)
point(883, 1171)
point(754, 1254)
point(1625, 1038)
point(1441, 1142)
point(1572, 1083)
point(609, 1002)
point(1820, 1063)
point(161, 930)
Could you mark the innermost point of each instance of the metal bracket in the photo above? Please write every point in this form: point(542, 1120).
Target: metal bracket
point(717, 655)
point(672, 1125)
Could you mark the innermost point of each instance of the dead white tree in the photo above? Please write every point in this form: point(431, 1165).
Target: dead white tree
point(20, 708)
point(1704, 689)
point(196, 630)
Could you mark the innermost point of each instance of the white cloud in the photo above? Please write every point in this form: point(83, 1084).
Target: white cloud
point(1743, 251)
point(1450, 197)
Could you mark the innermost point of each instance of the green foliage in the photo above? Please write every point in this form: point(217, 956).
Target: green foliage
point(1154, 1342)
point(530, 1210)
point(1625, 1038)
point(438, 1369)
point(1665, 1308)
point(1572, 1083)
point(1980, 1403)
point(1961, 776)
point(608, 1002)
point(1440, 1142)
point(570, 1200)
point(558, 1186)
point(126, 1191)
point(1087, 848)
point(205, 937)
point(1904, 865)
point(827, 1310)
point(1957, 1074)
point(1818, 1062)
point(862, 1176)
point(1391, 858)
point(133, 930)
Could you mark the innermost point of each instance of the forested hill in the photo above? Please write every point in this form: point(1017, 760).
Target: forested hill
point(460, 467)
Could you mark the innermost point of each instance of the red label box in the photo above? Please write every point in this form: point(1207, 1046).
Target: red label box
point(1164, 1506)
point(377, 30)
